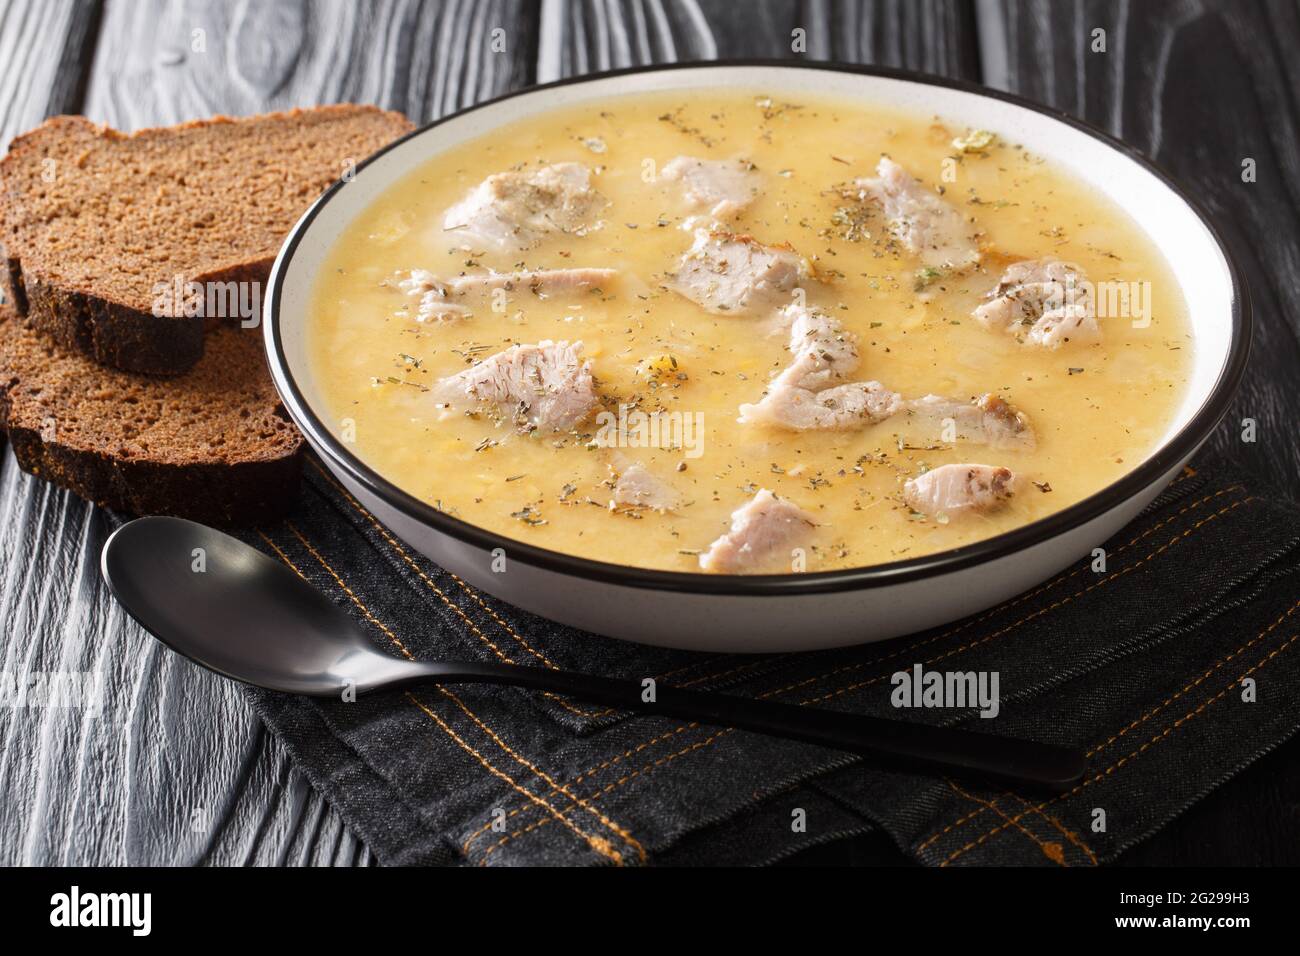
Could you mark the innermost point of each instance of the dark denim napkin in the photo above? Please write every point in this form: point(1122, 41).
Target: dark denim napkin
point(1174, 668)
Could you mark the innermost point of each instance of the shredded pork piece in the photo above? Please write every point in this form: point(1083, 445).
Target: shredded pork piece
point(988, 420)
point(721, 187)
point(637, 487)
point(763, 530)
point(811, 394)
point(960, 489)
point(1042, 302)
point(544, 386)
point(730, 274)
point(925, 224)
point(517, 209)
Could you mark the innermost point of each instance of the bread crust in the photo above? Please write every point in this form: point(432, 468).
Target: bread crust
point(110, 333)
point(225, 495)
point(256, 486)
point(79, 316)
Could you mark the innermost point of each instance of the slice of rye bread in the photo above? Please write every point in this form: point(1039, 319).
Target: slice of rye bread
point(214, 445)
point(99, 229)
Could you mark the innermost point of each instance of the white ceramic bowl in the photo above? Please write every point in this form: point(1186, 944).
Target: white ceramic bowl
point(790, 611)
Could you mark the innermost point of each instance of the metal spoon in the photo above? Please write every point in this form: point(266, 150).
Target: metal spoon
point(242, 614)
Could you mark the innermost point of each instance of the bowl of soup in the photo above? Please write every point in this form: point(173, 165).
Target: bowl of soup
point(755, 356)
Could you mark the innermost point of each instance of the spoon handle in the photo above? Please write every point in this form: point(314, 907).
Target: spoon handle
point(1005, 758)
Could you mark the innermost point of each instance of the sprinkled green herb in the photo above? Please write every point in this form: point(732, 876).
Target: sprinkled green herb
point(924, 277)
point(529, 516)
point(850, 222)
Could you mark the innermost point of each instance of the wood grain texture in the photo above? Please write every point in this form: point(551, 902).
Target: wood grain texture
point(161, 62)
point(583, 36)
point(1199, 86)
point(175, 768)
point(44, 48)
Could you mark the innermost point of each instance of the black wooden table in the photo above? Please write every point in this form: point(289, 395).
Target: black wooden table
point(175, 769)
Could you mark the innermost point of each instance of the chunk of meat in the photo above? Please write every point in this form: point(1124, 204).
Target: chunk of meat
point(636, 487)
point(829, 353)
point(763, 530)
point(988, 420)
point(926, 225)
point(841, 407)
point(438, 297)
point(731, 274)
point(517, 209)
point(960, 489)
point(720, 187)
point(810, 393)
point(1042, 302)
point(545, 386)
point(434, 302)
point(540, 282)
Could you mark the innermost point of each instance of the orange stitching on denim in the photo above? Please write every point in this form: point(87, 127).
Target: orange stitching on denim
point(1052, 851)
point(1150, 743)
point(637, 749)
point(581, 777)
point(1200, 680)
point(1061, 828)
point(472, 592)
point(504, 626)
point(597, 843)
point(1149, 714)
point(521, 760)
point(952, 826)
point(596, 795)
point(548, 778)
point(963, 648)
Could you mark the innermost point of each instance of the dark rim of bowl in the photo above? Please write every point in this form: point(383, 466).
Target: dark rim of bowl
point(1182, 445)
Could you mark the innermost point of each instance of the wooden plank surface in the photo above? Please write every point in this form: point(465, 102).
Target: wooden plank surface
point(582, 36)
point(174, 769)
point(163, 62)
point(44, 48)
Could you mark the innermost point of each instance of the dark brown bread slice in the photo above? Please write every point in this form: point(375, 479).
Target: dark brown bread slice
point(213, 445)
point(96, 224)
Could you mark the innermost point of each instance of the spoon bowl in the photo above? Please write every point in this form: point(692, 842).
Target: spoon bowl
point(213, 599)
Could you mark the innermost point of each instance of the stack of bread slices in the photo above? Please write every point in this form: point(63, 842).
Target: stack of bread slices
point(132, 269)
